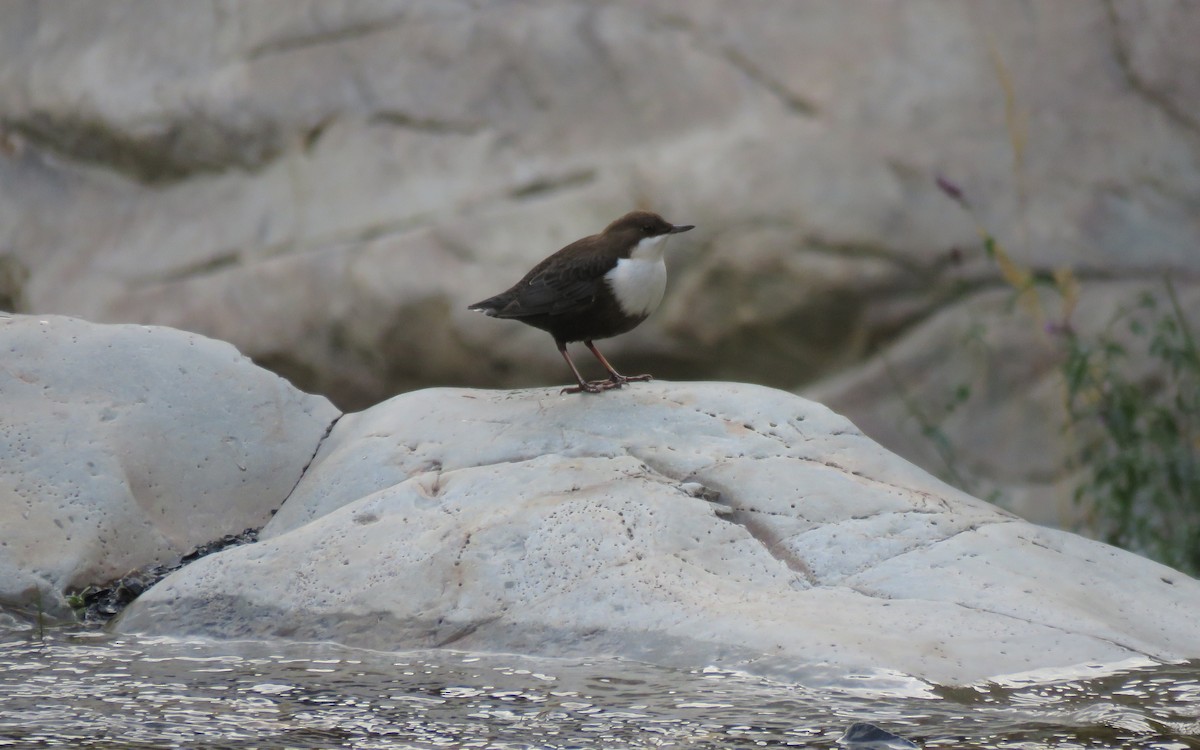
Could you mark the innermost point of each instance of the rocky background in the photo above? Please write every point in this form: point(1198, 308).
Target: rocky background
point(328, 184)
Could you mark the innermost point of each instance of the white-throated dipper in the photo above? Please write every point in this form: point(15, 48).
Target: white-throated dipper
point(595, 288)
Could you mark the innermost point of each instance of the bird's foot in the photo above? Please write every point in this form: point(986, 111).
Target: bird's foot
point(591, 387)
point(633, 378)
point(599, 386)
point(618, 380)
point(606, 385)
point(595, 386)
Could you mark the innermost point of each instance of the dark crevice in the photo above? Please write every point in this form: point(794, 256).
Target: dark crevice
point(312, 136)
point(714, 494)
point(546, 184)
point(841, 579)
point(226, 259)
point(1177, 114)
point(943, 297)
point(874, 251)
point(457, 633)
point(313, 457)
point(173, 150)
point(13, 276)
point(318, 38)
point(773, 543)
point(95, 605)
point(731, 55)
point(202, 268)
point(794, 102)
point(407, 121)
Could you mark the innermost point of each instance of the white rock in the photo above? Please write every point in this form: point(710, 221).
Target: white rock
point(123, 446)
point(1012, 435)
point(306, 179)
point(328, 185)
point(534, 522)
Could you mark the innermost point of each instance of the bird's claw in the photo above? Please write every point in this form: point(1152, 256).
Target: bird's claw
point(582, 388)
point(599, 386)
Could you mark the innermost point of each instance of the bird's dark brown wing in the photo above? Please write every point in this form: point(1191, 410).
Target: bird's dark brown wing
point(564, 282)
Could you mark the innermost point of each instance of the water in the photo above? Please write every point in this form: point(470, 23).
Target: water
point(88, 690)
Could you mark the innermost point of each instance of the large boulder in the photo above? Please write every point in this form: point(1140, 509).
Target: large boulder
point(123, 446)
point(677, 523)
point(978, 394)
point(348, 176)
point(328, 184)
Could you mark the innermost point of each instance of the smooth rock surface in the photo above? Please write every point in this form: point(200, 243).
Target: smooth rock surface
point(327, 184)
point(680, 523)
point(1009, 437)
point(349, 175)
point(127, 445)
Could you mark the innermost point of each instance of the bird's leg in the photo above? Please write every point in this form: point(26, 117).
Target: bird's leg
point(616, 379)
point(583, 384)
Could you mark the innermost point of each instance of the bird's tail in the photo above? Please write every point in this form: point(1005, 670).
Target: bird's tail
point(488, 306)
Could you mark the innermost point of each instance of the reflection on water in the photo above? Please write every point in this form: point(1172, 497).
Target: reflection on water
point(92, 691)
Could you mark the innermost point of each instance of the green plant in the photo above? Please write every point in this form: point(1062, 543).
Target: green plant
point(1132, 397)
point(1142, 433)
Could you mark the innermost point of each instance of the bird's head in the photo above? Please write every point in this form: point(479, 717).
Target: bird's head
point(643, 232)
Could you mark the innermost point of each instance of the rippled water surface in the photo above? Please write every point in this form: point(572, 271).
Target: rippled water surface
point(86, 690)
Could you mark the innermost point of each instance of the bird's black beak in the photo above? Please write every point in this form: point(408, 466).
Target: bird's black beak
point(680, 228)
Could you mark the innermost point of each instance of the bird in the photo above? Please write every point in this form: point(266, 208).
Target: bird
point(597, 287)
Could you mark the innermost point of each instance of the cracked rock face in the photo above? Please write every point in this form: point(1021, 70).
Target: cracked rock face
point(328, 184)
point(123, 446)
point(330, 170)
point(685, 524)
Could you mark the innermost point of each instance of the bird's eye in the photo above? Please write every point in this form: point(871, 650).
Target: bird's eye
point(647, 228)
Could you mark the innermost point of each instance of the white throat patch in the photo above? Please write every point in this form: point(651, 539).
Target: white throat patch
point(638, 282)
